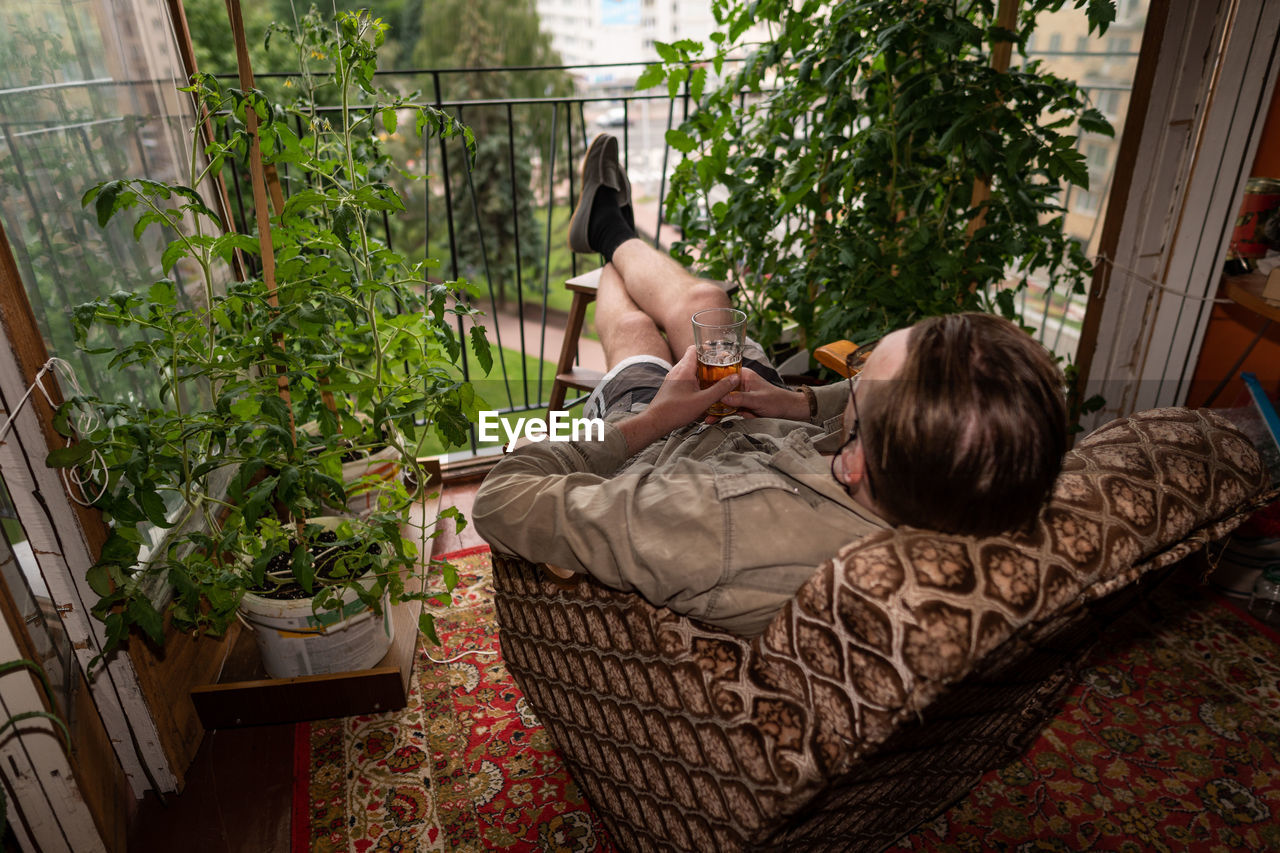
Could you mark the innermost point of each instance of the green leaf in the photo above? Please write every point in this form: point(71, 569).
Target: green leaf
point(427, 625)
point(173, 253)
point(106, 199)
point(153, 507)
point(450, 576)
point(675, 80)
point(681, 141)
point(256, 502)
point(99, 580)
point(650, 77)
point(121, 548)
point(245, 409)
point(275, 408)
point(1101, 14)
point(345, 220)
point(70, 456)
point(698, 82)
point(303, 570)
point(480, 344)
point(162, 293)
point(141, 613)
point(389, 119)
point(1093, 121)
point(666, 51)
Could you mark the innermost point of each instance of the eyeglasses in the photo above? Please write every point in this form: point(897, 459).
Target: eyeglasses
point(854, 362)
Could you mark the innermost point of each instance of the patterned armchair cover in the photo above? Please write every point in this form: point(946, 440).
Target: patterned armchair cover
point(904, 669)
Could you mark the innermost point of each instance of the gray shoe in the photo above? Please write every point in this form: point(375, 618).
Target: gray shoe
point(599, 168)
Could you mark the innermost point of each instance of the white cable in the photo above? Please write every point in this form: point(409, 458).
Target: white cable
point(84, 422)
point(1156, 285)
point(456, 657)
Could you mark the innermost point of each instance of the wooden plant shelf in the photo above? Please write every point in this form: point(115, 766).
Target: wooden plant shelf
point(244, 695)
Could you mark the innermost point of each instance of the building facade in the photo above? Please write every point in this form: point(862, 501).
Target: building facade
point(595, 32)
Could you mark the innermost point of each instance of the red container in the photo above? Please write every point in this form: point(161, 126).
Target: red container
point(1261, 201)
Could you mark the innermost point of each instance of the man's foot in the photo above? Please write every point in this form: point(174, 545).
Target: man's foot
point(602, 220)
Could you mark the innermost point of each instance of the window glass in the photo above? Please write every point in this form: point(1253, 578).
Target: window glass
point(88, 93)
point(1104, 67)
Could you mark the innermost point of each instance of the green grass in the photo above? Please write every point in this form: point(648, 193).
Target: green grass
point(492, 390)
point(561, 266)
point(560, 263)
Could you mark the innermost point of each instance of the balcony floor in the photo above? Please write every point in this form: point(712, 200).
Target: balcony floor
point(239, 788)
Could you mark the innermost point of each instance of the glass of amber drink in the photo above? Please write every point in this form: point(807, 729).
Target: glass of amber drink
point(718, 335)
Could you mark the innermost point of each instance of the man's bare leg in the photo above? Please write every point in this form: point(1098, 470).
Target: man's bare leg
point(662, 288)
point(625, 330)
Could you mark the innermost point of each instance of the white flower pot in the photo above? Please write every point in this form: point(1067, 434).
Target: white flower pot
point(295, 640)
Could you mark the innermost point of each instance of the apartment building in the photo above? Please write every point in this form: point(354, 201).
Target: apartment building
point(593, 32)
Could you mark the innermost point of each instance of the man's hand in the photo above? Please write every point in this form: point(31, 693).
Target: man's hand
point(678, 402)
point(758, 398)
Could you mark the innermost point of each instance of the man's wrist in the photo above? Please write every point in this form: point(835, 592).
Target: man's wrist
point(806, 409)
point(639, 431)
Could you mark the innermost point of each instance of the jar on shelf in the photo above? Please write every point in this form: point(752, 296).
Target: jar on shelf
point(1264, 604)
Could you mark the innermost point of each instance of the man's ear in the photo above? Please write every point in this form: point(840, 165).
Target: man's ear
point(854, 465)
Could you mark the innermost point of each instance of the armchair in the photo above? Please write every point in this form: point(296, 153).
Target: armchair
point(908, 665)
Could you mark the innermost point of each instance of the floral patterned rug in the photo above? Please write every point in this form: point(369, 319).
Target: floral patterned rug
point(465, 766)
point(1170, 741)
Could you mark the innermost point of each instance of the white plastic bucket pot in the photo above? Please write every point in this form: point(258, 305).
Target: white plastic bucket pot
point(293, 640)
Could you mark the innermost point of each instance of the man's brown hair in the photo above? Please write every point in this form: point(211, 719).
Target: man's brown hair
point(968, 437)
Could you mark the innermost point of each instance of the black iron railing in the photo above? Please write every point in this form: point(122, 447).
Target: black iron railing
point(522, 296)
point(476, 220)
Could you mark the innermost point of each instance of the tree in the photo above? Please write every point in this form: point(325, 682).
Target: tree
point(499, 33)
point(425, 35)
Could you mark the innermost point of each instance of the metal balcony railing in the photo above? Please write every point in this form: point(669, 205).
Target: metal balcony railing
point(479, 230)
point(500, 224)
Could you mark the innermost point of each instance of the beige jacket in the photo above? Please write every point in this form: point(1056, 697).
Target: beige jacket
point(719, 522)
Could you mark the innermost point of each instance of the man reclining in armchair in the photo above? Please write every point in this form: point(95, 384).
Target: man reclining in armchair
point(956, 424)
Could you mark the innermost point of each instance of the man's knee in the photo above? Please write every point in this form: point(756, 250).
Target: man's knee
point(631, 325)
point(704, 295)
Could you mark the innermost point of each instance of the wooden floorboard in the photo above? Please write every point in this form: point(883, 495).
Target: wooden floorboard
point(239, 788)
point(237, 798)
point(462, 496)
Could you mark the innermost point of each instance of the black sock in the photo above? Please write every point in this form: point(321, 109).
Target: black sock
point(610, 225)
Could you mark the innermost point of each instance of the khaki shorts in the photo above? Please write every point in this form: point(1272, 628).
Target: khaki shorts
point(633, 383)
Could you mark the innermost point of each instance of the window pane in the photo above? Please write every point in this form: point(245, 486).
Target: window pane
point(1104, 66)
point(21, 574)
point(88, 93)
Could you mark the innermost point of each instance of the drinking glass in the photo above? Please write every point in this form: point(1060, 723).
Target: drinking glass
point(718, 336)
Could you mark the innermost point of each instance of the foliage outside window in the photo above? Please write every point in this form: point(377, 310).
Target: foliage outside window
point(84, 98)
point(833, 172)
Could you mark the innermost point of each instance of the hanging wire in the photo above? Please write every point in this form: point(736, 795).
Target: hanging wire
point(83, 422)
point(1157, 285)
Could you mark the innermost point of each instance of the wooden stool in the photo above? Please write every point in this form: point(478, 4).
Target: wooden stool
point(568, 375)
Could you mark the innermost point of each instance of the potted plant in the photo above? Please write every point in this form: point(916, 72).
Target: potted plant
point(872, 163)
point(211, 490)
